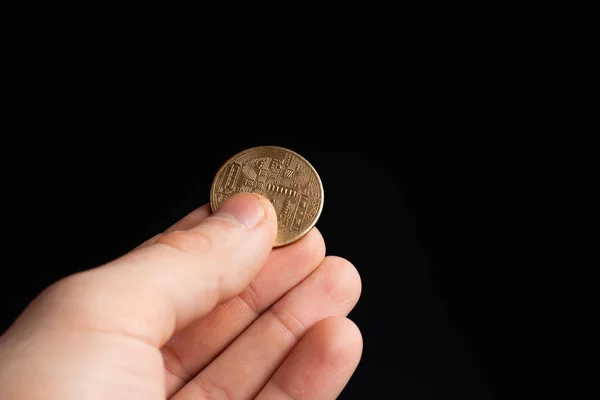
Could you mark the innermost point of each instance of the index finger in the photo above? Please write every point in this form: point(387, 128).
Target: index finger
point(150, 293)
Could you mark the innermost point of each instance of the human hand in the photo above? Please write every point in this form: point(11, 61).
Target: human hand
point(207, 310)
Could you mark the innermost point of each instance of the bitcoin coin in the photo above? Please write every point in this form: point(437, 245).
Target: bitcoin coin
point(282, 176)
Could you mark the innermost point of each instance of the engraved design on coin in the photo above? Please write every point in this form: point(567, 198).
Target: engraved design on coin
point(281, 175)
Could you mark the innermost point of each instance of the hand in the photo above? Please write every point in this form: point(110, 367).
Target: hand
point(206, 310)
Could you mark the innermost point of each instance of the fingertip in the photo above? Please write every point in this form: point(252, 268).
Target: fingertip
point(243, 209)
point(270, 215)
point(320, 365)
point(269, 221)
point(315, 243)
point(338, 338)
point(341, 280)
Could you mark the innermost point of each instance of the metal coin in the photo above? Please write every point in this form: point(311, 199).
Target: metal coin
point(281, 175)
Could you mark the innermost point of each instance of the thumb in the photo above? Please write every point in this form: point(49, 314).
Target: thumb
point(155, 290)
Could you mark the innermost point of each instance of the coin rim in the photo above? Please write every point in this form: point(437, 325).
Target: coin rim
point(310, 226)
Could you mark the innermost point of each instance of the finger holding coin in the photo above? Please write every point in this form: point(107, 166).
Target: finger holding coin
point(284, 177)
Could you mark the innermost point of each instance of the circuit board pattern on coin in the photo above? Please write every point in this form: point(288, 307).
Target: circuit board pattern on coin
point(282, 176)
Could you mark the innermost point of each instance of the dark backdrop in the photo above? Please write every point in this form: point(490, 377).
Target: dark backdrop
point(412, 196)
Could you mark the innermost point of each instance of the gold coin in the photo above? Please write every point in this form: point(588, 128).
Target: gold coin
point(282, 176)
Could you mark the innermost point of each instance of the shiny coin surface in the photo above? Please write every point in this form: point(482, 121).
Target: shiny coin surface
point(281, 175)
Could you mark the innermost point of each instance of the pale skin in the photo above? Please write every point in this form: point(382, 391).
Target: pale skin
point(205, 310)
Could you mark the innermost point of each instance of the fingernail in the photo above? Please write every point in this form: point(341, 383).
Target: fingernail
point(242, 209)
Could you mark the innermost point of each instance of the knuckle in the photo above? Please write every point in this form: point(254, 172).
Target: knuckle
point(210, 390)
point(190, 242)
point(148, 242)
point(250, 296)
point(64, 289)
point(66, 297)
point(174, 365)
point(292, 323)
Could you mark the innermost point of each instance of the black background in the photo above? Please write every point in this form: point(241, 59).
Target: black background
point(415, 196)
